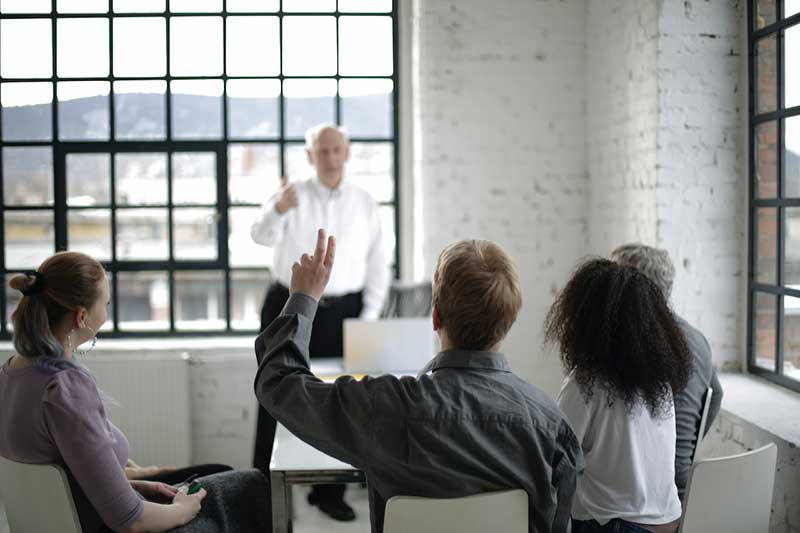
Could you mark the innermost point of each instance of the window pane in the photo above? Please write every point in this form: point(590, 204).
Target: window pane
point(244, 36)
point(790, 7)
point(140, 47)
point(253, 108)
point(83, 110)
point(195, 47)
point(88, 179)
point(247, 296)
point(245, 6)
point(194, 178)
point(142, 234)
point(764, 330)
point(29, 238)
point(26, 49)
point(300, 57)
point(195, 6)
point(82, 47)
point(791, 273)
point(27, 111)
point(387, 229)
point(82, 6)
point(791, 156)
point(143, 301)
point(28, 175)
point(89, 231)
point(766, 155)
point(200, 300)
point(243, 252)
point(791, 337)
point(139, 6)
point(195, 233)
point(140, 109)
point(296, 161)
point(791, 65)
point(765, 74)
point(197, 109)
point(365, 46)
point(765, 13)
point(141, 179)
point(766, 244)
point(309, 5)
point(253, 172)
point(308, 103)
point(370, 167)
point(25, 6)
point(365, 6)
point(367, 107)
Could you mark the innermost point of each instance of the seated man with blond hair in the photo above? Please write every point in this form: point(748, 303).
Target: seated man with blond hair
point(470, 426)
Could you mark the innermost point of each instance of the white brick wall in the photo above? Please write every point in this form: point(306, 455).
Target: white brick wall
point(501, 145)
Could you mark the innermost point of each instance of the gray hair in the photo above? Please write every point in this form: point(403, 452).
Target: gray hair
point(313, 133)
point(652, 262)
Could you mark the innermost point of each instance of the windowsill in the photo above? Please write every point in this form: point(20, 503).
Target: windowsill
point(765, 405)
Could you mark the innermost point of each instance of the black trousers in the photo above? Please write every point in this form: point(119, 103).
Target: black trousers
point(327, 340)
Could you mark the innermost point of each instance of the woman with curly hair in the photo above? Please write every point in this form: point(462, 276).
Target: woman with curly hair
point(625, 357)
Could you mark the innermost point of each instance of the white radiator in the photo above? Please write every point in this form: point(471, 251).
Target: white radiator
point(150, 403)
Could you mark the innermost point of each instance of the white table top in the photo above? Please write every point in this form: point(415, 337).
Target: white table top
point(291, 453)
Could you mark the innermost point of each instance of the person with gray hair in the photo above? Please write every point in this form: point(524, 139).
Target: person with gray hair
point(358, 286)
point(656, 264)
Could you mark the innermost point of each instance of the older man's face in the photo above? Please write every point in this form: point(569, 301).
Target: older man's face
point(328, 156)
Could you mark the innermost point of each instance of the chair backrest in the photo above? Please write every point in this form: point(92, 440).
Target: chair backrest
point(731, 494)
point(701, 430)
point(505, 511)
point(37, 498)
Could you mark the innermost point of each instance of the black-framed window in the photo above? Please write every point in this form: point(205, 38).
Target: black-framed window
point(147, 133)
point(774, 133)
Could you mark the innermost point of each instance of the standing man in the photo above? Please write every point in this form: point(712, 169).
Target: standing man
point(358, 285)
point(656, 265)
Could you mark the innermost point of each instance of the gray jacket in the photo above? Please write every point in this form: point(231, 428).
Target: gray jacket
point(471, 426)
point(689, 402)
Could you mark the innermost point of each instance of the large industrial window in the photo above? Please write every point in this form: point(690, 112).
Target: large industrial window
point(774, 280)
point(147, 133)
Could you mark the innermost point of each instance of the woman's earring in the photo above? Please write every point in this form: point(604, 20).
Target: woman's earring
point(69, 341)
point(94, 341)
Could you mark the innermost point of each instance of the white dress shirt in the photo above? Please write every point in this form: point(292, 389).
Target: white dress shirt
point(347, 212)
point(630, 459)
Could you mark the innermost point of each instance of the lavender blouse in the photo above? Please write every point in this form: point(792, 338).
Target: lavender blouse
point(60, 418)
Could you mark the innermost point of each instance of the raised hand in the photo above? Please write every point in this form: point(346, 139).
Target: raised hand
point(311, 274)
point(287, 196)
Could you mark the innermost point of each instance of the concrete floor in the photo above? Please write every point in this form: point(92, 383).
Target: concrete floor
point(308, 519)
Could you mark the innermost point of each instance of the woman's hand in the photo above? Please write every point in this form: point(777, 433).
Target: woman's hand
point(189, 504)
point(155, 491)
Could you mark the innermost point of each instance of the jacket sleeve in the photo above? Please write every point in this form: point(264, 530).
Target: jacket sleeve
point(333, 417)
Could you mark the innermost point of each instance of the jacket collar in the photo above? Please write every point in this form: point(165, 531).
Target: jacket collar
point(458, 358)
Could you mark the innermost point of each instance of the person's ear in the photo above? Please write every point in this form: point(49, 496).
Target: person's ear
point(310, 156)
point(347, 151)
point(80, 317)
point(437, 323)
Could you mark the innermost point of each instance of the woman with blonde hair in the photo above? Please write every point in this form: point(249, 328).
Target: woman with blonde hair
point(51, 411)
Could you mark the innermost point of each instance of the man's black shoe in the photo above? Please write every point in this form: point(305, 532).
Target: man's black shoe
point(336, 509)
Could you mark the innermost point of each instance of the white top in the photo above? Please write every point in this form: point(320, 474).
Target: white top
point(630, 459)
point(347, 212)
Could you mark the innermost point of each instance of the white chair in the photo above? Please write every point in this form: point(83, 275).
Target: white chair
point(730, 494)
point(37, 498)
point(701, 431)
point(505, 511)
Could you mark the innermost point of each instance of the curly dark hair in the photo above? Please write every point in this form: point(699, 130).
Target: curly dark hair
point(615, 330)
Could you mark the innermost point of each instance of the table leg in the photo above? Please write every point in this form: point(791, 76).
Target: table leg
point(281, 502)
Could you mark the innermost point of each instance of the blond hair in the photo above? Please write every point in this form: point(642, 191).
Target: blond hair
point(477, 293)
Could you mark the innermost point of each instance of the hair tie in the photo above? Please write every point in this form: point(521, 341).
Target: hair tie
point(38, 284)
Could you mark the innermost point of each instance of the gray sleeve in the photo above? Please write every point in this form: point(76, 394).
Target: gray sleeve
point(716, 400)
point(333, 417)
